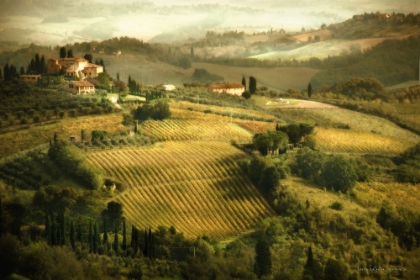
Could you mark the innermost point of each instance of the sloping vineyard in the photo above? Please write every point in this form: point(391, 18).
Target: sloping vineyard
point(195, 186)
point(212, 130)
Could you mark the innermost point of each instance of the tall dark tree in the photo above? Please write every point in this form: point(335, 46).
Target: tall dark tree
point(118, 78)
point(2, 222)
point(53, 231)
point(62, 229)
point(116, 242)
point(252, 85)
point(309, 90)
point(1, 74)
point(146, 245)
point(42, 65)
point(95, 239)
point(72, 239)
point(63, 52)
point(113, 213)
point(134, 240)
point(309, 266)
point(82, 135)
point(6, 72)
point(37, 64)
point(88, 57)
point(262, 265)
point(22, 70)
point(79, 236)
point(47, 228)
point(124, 241)
point(70, 54)
point(244, 82)
point(90, 237)
point(192, 53)
point(105, 235)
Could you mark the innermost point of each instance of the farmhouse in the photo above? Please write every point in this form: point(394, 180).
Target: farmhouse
point(80, 87)
point(75, 67)
point(233, 89)
point(30, 78)
point(166, 87)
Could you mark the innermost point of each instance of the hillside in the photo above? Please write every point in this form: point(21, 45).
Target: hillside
point(195, 186)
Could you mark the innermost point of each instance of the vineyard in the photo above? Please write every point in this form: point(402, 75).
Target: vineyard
point(256, 127)
point(195, 186)
point(350, 141)
point(205, 127)
point(35, 135)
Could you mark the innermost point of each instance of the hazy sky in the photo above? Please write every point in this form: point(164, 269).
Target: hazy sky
point(62, 21)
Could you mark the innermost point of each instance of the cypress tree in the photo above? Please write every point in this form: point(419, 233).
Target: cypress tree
point(6, 72)
point(72, 239)
point(150, 244)
point(1, 75)
point(134, 240)
point(63, 52)
point(70, 54)
point(53, 231)
point(105, 236)
point(79, 235)
point(116, 245)
point(309, 90)
point(42, 65)
point(124, 242)
point(309, 266)
point(62, 229)
point(90, 238)
point(244, 82)
point(146, 244)
point(252, 85)
point(47, 229)
point(22, 71)
point(95, 239)
point(37, 64)
point(2, 225)
point(262, 265)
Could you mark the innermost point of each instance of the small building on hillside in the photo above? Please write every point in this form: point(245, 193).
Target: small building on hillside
point(74, 67)
point(30, 78)
point(93, 70)
point(80, 87)
point(166, 87)
point(233, 89)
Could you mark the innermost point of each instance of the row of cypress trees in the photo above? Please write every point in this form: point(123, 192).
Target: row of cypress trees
point(57, 235)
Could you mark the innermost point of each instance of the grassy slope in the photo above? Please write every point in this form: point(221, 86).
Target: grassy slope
point(280, 78)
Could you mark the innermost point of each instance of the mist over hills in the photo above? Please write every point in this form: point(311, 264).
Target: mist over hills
point(59, 22)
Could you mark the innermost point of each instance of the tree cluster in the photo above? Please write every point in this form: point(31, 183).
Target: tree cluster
point(402, 222)
point(37, 65)
point(70, 159)
point(408, 169)
point(158, 111)
point(270, 141)
point(205, 77)
point(296, 132)
point(335, 172)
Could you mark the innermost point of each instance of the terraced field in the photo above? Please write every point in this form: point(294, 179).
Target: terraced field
point(195, 186)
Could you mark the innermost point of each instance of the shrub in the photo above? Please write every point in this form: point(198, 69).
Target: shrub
point(337, 206)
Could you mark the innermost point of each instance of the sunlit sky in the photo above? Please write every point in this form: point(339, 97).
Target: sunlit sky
point(58, 21)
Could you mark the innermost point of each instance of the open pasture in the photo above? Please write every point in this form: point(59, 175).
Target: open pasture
point(195, 186)
point(279, 78)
